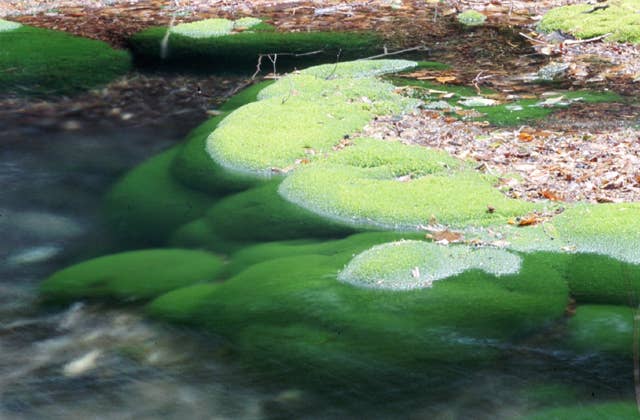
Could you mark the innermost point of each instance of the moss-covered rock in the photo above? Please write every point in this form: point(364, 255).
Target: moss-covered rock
point(129, 276)
point(218, 44)
point(260, 214)
point(148, 203)
point(43, 62)
point(620, 18)
point(302, 117)
point(394, 186)
point(337, 330)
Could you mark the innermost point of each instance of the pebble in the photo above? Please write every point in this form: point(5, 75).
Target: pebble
point(34, 255)
point(82, 365)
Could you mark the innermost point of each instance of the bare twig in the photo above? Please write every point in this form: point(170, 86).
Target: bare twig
point(273, 57)
point(582, 41)
point(387, 53)
point(479, 79)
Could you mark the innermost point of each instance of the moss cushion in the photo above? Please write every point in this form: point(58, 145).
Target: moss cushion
point(37, 61)
point(621, 18)
point(132, 275)
point(298, 303)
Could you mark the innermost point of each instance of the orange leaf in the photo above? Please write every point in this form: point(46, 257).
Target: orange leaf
point(445, 79)
point(550, 195)
point(525, 137)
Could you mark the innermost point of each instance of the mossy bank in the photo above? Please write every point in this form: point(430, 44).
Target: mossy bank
point(44, 62)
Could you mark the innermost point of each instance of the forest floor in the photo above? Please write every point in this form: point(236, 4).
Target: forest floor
point(586, 152)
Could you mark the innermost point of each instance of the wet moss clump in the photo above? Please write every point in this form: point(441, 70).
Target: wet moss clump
point(42, 62)
point(620, 18)
point(131, 276)
point(295, 310)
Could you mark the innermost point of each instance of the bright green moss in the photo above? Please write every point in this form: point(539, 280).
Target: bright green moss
point(620, 18)
point(373, 191)
point(246, 23)
point(341, 250)
point(294, 302)
point(37, 61)
point(471, 18)
point(194, 167)
point(409, 265)
point(136, 275)
point(268, 135)
point(271, 135)
point(6, 25)
point(240, 51)
point(204, 28)
point(147, 204)
point(358, 69)
point(606, 229)
point(602, 329)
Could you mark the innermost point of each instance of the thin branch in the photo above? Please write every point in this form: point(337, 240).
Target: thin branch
point(386, 53)
point(582, 41)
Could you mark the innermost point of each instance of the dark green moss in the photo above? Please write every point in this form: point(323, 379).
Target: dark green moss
point(196, 169)
point(261, 214)
point(37, 61)
point(241, 51)
point(147, 204)
point(292, 311)
point(605, 329)
point(129, 276)
point(619, 410)
point(601, 279)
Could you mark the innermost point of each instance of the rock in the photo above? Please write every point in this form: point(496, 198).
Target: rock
point(553, 71)
point(478, 101)
point(82, 365)
point(34, 255)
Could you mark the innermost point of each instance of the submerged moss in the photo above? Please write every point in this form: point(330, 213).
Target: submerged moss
point(128, 276)
point(616, 410)
point(620, 18)
point(38, 61)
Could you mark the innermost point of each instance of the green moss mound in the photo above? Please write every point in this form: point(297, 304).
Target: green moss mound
point(410, 265)
point(302, 117)
point(620, 18)
point(604, 411)
point(260, 214)
point(369, 186)
point(44, 62)
point(148, 203)
point(193, 166)
point(341, 250)
point(602, 329)
point(330, 326)
point(129, 276)
point(240, 51)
